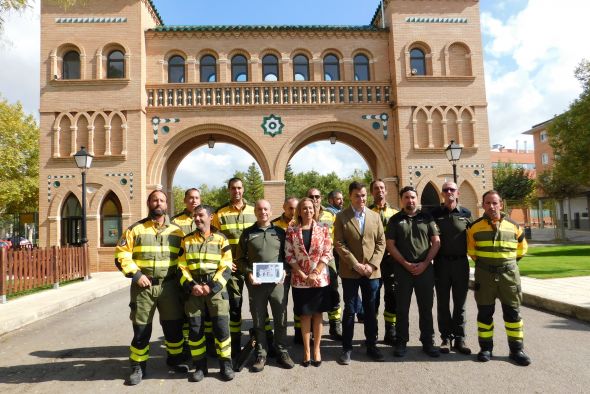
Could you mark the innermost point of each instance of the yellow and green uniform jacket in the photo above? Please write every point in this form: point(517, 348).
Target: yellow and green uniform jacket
point(495, 246)
point(205, 260)
point(281, 222)
point(327, 218)
point(185, 221)
point(384, 213)
point(232, 221)
point(149, 249)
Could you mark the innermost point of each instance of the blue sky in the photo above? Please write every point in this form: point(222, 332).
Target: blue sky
point(531, 48)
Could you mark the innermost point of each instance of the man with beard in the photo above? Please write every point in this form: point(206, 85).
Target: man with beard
point(148, 254)
point(205, 267)
point(412, 241)
point(496, 243)
point(385, 211)
point(451, 269)
point(335, 201)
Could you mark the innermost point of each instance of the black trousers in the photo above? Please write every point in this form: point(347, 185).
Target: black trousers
point(451, 277)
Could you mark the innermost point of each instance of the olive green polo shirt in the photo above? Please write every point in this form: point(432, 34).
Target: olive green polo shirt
point(259, 245)
point(453, 230)
point(411, 234)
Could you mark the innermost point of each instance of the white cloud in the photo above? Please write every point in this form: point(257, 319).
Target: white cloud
point(324, 158)
point(530, 60)
point(19, 58)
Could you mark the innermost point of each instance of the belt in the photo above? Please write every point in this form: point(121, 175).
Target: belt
point(159, 281)
point(496, 269)
point(203, 279)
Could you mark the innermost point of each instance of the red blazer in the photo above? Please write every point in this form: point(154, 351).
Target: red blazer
point(320, 250)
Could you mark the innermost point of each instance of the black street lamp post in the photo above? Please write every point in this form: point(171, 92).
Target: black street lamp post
point(83, 161)
point(453, 152)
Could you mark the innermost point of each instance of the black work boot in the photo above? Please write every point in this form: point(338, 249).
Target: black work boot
point(520, 357)
point(200, 371)
point(459, 346)
point(389, 338)
point(178, 363)
point(484, 355)
point(137, 374)
point(226, 369)
point(336, 330)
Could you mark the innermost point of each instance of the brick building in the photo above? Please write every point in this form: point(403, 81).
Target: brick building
point(141, 95)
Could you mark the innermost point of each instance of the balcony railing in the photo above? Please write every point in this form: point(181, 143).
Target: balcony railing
point(267, 93)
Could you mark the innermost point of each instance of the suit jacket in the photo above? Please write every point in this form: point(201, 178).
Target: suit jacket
point(319, 250)
point(356, 248)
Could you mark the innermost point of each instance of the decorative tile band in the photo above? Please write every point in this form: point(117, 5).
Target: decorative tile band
point(123, 181)
point(92, 20)
point(420, 19)
point(55, 183)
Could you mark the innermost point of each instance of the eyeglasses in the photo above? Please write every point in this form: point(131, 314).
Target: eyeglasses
point(449, 189)
point(315, 196)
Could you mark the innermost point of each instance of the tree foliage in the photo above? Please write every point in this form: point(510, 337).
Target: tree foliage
point(513, 183)
point(253, 186)
point(19, 159)
point(570, 135)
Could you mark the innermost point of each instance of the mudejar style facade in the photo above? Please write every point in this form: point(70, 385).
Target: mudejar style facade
point(141, 95)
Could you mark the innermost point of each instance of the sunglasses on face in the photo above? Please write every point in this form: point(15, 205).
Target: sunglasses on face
point(449, 189)
point(315, 196)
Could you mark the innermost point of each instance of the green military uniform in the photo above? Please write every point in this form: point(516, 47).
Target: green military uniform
point(265, 245)
point(412, 236)
point(495, 247)
point(232, 222)
point(451, 270)
point(207, 260)
point(185, 221)
point(387, 280)
point(146, 248)
point(327, 218)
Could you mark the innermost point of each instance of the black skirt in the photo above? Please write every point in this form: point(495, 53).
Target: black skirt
point(307, 301)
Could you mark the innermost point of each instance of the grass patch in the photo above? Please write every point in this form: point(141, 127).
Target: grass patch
point(38, 289)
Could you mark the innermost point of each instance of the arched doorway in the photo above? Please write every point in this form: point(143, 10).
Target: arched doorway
point(71, 221)
point(429, 198)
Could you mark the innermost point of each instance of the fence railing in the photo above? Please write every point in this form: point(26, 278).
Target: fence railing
point(28, 269)
point(267, 93)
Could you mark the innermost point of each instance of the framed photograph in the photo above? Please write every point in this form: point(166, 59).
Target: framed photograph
point(268, 272)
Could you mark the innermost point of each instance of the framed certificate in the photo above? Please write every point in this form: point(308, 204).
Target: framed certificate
point(268, 272)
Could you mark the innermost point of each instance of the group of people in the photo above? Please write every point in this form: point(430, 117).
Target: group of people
point(193, 268)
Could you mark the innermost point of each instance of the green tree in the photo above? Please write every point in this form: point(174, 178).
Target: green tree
point(569, 134)
point(253, 186)
point(513, 183)
point(178, 198)
point(19, 159)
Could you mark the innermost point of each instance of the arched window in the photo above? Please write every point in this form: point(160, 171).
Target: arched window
point(71, 65)
point(270, 68)
point(71, 221)
point(239, 68)
point(208, 69)
point(301, 68)
point(176, 69)
point(429, 199)
point(331, 68)
point(110, 220)
point(116, 64)
point(417, 62)
point(361, 68)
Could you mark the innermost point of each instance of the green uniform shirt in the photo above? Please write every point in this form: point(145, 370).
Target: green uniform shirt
point(260, 245)
point(453, 230)
point(411, 234)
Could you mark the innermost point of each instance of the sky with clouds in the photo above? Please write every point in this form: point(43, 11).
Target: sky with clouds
point(531, 48)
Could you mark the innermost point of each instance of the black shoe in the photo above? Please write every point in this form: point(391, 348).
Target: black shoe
point(316, 363)
point(445, 346)
point(285, 360)
point(484, 356)
point(344, 358)
point(227, 372)
point(375, 354)
point(389, 338)
point(259, 364)
point(137, 373)
point(336, 330)
point(459, 346)
point(520, 358)
point(431, 350)
point(400, 349)
point(305, 363)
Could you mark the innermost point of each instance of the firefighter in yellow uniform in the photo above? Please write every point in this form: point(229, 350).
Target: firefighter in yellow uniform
point(148, 254)
point(496, 243)
point(232, 219)
point(205, 267)
point(385, 211)
point(327, 218)
point(184, 220)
